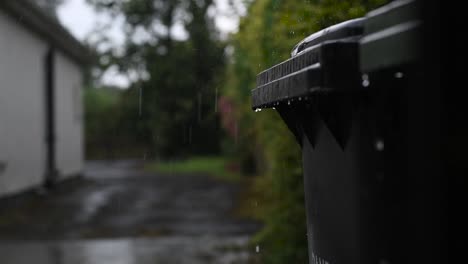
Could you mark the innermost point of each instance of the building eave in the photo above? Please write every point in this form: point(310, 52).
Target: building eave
point(32, 17)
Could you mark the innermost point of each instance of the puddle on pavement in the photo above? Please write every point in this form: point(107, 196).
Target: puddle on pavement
point(222, 250)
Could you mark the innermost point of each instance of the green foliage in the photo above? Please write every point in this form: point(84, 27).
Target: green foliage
point(266, 36)
point(99, 104)
point(170, 104)
point(218, 167)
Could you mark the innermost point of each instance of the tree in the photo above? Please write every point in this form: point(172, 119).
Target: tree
point(174, 77)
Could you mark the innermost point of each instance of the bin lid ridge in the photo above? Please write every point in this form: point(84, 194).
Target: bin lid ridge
point(314, 67)
point(304, 59)
point(353, 27)
point(315, 70)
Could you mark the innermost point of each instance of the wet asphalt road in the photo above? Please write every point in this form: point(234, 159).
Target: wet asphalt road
point(119, 214)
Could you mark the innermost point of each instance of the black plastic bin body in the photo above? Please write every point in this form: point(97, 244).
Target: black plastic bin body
point(346, 95)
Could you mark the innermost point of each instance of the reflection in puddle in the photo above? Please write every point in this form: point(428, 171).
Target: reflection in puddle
point(94, 201)
point(128, 251)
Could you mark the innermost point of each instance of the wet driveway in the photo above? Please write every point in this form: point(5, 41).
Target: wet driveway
point(118, 213)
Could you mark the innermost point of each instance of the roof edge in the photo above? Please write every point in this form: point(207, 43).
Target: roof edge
point(32, 17)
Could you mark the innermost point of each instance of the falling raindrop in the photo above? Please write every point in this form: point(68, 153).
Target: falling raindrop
point(257, 248)
point(398, 75)
point(289, 102)
point(274, 108)
point(140, 99)
point(300, 98)
point(199, 106)
point(216, 100)
point(190, 134)
point(236, 131)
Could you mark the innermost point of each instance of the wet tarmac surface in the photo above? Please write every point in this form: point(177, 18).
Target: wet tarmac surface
point(173, 249)
point(119, 214)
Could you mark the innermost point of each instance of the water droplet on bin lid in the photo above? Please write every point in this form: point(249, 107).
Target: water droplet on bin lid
point(398, 75)
point(365, 83)
point(365, 80)
point(379, 145)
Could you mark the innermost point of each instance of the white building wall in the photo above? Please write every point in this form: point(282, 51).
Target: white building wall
point(22, 139)
point(22, 110)
point(69, 116)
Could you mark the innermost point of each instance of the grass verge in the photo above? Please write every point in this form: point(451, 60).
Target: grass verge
point(217, 167)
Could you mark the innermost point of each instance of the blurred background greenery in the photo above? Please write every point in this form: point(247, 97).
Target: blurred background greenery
point(191, 98)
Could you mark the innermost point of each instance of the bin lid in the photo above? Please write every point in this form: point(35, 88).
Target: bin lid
point(324, 61)
point(391, 36)
point(349, 28)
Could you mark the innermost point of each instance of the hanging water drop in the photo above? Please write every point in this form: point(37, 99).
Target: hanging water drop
point(365, 80)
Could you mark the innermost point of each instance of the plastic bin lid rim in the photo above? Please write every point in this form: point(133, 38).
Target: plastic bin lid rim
point(325, 34)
